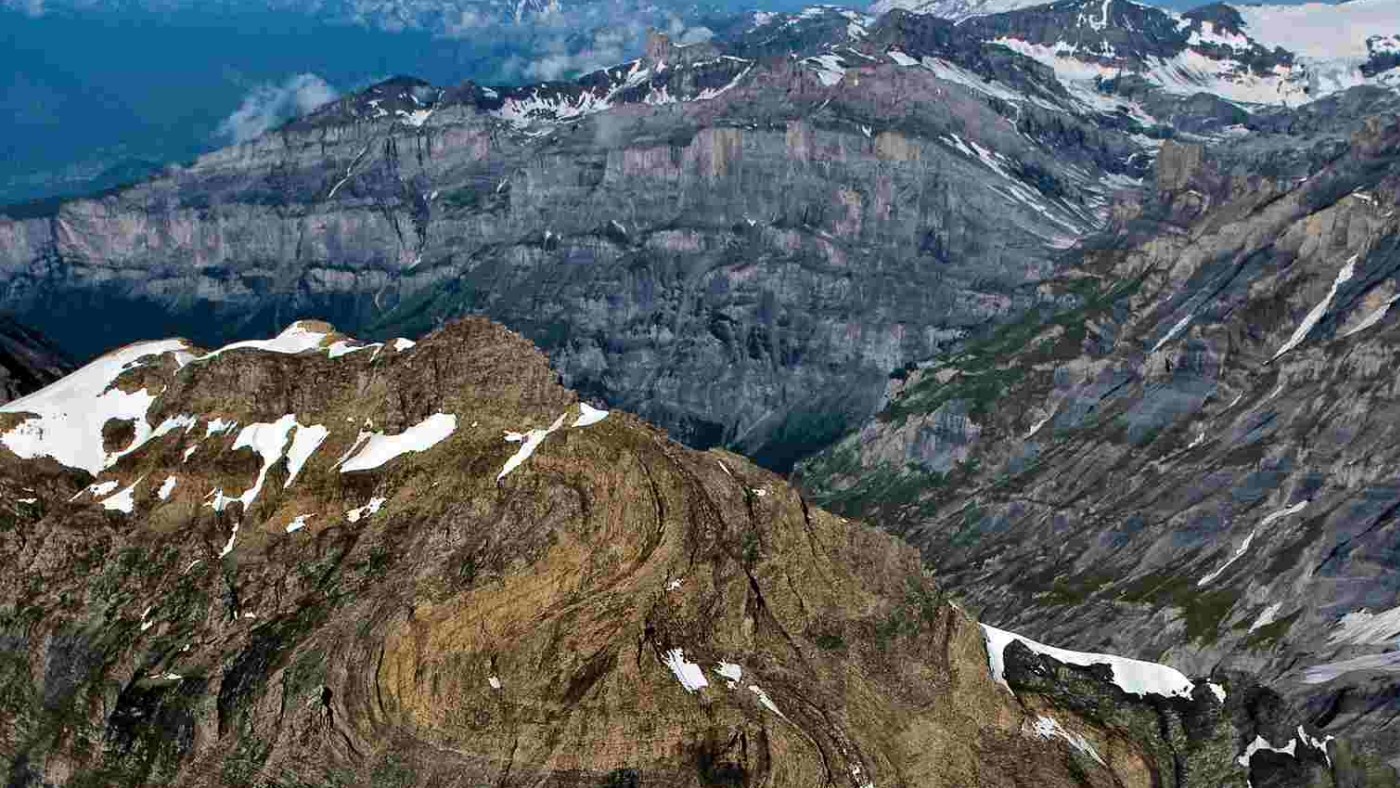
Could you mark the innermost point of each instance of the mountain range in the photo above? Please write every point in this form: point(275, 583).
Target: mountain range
point(1089, 302)
point(310, 560)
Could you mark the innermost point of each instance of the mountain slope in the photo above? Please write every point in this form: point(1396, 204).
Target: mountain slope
point(1193, 455)
point(738, 239)
point(28, 361)
point(312, 560)
point(734, 242)
point(953, 10)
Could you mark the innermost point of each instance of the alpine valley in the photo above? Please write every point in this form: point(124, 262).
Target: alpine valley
point(966, 327)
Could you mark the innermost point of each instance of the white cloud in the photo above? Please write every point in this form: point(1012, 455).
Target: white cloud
point(685, 36)
point(555, 58)
point(34, 8)
point(269, 106)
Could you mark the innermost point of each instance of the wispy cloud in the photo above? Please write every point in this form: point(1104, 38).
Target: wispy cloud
point(269, 106)
point(33, 8)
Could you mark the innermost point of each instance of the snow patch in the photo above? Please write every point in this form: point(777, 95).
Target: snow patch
point(166, 488)
point(299, 337)
point(380, 448)
point(1049, 728)
point(731, 672)
point(305, 441)
point(1173, 332)
point(1320, 310)
point(124, 501)
point(1317, 744)
point(1364, 628)
point(830, 68)
point(228, 546)
point(1217, 690)
point(1260, 743)
point(765, 700)
point(298, 523)
point(1134, 677)
point(368, 510)
point(1267, 617)
point(1373, 318)
point(66, 417)
point(267, 441)
point(529, 441)
point(1248, 540)
point(588, 415)
point(901, 58)
point(688, 674)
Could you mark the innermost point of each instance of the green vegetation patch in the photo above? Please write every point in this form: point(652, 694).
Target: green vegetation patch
point(1204, 611)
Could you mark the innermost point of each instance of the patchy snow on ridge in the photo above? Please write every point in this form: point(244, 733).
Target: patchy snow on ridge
point(830, 68)
point(124, 501)
point(1318, 311)
point(305, 441)
point(1049, 728)
point(1260, 743)
point(1134, 677)
point(299, 337)
point(68, 415)
point(731, 672)
point(1248, 540)
point(529, 441)
point(1321, 30)
point(688, 674)
point(380, 448)
point(1364, 628)
point(1186, 74)
point(368, 510)
point(267, 441)
point(589, 415)
point(955, 10)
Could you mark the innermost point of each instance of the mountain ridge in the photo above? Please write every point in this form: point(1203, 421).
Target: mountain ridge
point(530, 590)
point(1167, 427)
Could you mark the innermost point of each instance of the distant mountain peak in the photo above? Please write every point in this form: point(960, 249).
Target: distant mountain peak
point(955, 10)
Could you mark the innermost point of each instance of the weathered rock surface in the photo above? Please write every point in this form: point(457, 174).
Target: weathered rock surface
point(28, 360)
point(393, 607)
point(1193, 460)
point(734, 240)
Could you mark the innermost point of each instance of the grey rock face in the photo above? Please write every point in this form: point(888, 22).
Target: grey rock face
point(28, 360)
point(727, 245)
point(1193, 460)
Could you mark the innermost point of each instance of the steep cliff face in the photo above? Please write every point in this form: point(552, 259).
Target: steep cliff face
point(28, 360)
point(737, 240)
point(313, 561)
point(1193, 459)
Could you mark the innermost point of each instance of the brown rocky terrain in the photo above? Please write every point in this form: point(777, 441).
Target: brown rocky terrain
point(1192, 459)
point(401, 594)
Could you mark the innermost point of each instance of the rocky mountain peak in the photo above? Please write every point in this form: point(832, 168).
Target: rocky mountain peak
point(309, 558)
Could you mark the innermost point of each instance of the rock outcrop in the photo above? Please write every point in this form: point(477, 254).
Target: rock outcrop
point(1192, 459)
point(309, 561)
point(28, 360)
point(737, 240)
